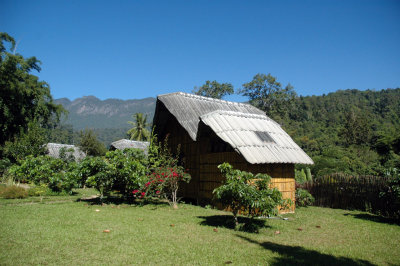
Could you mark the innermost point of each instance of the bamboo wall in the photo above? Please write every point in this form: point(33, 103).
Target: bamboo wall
point(211, 177)
point(201, 160)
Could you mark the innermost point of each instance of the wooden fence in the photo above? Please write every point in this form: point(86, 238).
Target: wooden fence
point(350, 192)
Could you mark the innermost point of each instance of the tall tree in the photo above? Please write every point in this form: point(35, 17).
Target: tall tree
point(89, 144)
point(23, 98)
point(266, 93)
point(214, 89)
point(139, 130)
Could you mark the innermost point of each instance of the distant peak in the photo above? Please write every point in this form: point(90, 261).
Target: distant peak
point(90, 97)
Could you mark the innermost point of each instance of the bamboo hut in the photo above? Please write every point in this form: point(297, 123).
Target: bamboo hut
point(54, 150)
point(212, 131)
point(128, 144)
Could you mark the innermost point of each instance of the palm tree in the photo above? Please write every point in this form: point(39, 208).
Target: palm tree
point(139, 130)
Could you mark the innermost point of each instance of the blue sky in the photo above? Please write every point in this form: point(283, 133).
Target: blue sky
point(137, 49)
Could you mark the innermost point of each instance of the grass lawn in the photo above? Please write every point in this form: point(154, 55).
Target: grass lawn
point(61, 230)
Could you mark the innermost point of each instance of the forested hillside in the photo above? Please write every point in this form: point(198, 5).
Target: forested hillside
point(350, 131)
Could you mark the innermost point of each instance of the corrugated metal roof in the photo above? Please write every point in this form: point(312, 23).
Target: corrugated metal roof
point(53, 150)
point(257, 137)
point(187, 108)
point(126, 144)
point(247, 129)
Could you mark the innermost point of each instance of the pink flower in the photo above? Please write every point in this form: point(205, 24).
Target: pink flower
point(135, 191)
point(143, 193)
point(157, 192)
point(148, 183)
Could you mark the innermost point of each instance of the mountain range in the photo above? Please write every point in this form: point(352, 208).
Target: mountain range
point(91, 112)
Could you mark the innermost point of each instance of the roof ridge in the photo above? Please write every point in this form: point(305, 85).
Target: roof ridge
point(190, 95)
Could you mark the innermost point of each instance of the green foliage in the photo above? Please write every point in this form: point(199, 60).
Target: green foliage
point(23, 98)
point(242, 191)
point(392, 194)
point(356, 128)
point(124, 171)
point(4, 164)
point(304, 198)
point(353, 132)
point(14, 192)
point(61, 134)
point(100, 178)
point(164, 182)
point(139, 130)
point(308, 175)
point(128, 169)
point(214, 89)
point(266, 93)
point(300, 176)
point(165, 172)
point(89, 144)
point(67, 155)
point(39, 191)
point(26, 143)
point(153, 152)
point(55, 173)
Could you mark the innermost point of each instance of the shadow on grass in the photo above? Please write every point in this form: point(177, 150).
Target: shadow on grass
point(374, 218)
point(115, 200)
point(295, 255)
point(226, 221)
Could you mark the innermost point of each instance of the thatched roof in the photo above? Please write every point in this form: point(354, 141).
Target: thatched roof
point(126, 144)
point(53, 150)
point(247, 129)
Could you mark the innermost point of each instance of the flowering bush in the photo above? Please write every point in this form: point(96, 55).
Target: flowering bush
point(164, 182)
point(165, 173)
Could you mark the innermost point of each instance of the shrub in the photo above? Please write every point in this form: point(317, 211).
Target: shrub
point(300, 176)
point(303, 197)
point(128, 169)
point(242, 191)
point(55, 173)
point(37, 169)
point(166, 171)
point(164, 182)
point(4, 164)
point(14, 192)
point(39, 191)
point(124, 171)
point(100, 178)
point(392, 196)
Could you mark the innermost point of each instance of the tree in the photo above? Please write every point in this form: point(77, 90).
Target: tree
point(266, 93)
point(89, 144)
point(356, 128)
point(23, 98)
point(214, 89)
point(243, 191)
point(32, 142)
point(139, 130)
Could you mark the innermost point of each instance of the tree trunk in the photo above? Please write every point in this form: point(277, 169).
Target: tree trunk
point(235, 218)
point(174, 200)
